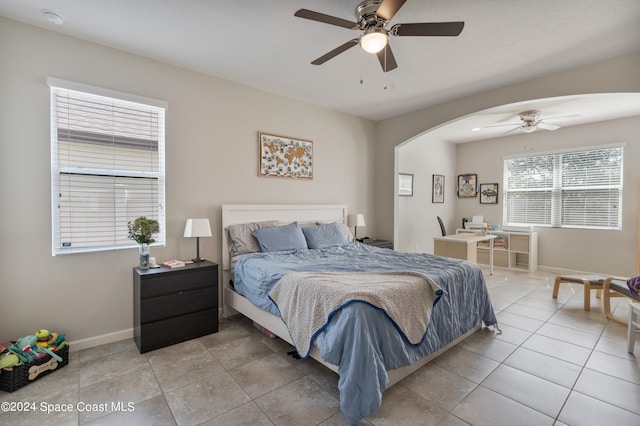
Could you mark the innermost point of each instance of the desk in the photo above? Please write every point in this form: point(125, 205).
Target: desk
point(462, 246)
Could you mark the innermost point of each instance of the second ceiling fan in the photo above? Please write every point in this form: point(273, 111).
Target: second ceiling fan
point(531, 121)
point(371, 18)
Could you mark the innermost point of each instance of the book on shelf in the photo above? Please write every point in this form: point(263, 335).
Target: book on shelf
point(173, 264)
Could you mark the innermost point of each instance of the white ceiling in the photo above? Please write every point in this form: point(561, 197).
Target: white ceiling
point(570, 110)
point(261, 44)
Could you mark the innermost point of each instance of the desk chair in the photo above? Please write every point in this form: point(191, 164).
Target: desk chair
point(444, 232)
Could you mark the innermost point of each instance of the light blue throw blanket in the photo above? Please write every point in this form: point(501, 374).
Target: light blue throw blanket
point(360, 339)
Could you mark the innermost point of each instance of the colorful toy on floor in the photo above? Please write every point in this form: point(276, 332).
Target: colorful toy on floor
point(8, 359)
point(25, 360)
point(29, 348)
point(45, 338)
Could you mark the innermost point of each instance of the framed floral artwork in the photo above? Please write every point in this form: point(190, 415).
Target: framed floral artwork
point(467, 185)
point(437, 192)
point(286, 157)
point(488, 193)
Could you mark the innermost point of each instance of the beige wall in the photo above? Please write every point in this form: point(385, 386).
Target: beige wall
point(616, 75)
point(212, 159)
point(607, 252)
point(417, 225)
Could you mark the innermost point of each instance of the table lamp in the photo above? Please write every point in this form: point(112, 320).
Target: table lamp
point(355, 220)
point(197, 228)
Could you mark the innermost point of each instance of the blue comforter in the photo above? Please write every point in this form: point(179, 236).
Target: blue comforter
point(360, 339)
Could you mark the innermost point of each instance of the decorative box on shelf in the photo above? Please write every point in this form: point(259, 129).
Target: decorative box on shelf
point(14, 378)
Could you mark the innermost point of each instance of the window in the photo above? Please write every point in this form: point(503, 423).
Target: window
point(107, 166)
point(571, 189)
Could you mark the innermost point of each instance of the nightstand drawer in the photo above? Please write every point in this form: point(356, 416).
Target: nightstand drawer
point(175, 330)
point(176, 281)
point(181, 303)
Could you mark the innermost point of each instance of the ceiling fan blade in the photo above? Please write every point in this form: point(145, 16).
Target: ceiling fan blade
point(387, 60)
point(428, 29)
point(327, 19)
point(547, 126)
point(502, 125)
point(389, 8)
point(562, 116)
point(511, 130)
point(335, 52)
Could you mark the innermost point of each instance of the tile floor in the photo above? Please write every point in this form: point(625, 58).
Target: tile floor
point(554, 364)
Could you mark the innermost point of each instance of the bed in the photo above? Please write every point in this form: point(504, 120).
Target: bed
point(365, 343)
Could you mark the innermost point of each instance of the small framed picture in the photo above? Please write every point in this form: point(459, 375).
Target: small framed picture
point(405, 184)
point(488, 193)
point(437, 194)
point(467, 185)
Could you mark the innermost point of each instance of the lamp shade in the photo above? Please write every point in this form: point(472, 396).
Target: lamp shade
point(197, 228)
point(356, 219)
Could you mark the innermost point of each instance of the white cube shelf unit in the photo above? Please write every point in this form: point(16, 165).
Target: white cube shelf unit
point(513, 250)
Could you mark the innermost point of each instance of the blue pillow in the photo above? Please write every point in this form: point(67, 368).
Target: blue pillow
point(287, 237)
point(322, 236)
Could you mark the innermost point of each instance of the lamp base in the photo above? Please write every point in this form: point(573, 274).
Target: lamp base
point(197, 259)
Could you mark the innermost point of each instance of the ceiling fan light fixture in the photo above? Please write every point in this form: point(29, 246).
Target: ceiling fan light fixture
point(529, 127)
point(374, 40)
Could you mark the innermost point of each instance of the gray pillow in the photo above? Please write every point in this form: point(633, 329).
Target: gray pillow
point(322, 236)
point(344, 229)
point(241, 239)
point(287, 237)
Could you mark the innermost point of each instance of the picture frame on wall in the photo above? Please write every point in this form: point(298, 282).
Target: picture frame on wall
point(488, 193)
point(467, 185)
point(437, 191)
point(285, 157)
point(405, 184)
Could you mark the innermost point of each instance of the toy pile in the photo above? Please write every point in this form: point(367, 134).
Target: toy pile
point(30, 358)
point(31, 348)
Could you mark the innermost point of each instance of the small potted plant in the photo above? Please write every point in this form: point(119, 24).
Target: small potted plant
point(142, 231)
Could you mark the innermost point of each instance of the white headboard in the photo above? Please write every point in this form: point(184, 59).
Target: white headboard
point(284, 213)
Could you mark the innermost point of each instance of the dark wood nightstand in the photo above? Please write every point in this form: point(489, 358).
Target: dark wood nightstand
point(174, 305)
point(378, 243)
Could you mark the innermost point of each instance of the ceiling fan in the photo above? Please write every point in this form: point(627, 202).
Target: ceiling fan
point(531, 121)
point(371, 18)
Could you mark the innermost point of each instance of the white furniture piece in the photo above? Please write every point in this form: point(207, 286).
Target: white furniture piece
point(513, 250)
point(634, 324)
point(463, 246)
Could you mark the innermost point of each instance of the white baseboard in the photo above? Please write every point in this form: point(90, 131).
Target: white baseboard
point(103, 339)
point(565, 271)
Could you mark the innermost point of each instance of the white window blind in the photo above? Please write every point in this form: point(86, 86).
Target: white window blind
point(107, 168)
point(573, 189)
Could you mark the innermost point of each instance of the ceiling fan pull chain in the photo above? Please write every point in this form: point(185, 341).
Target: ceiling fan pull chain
point(361, 66)
point(385, 68)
